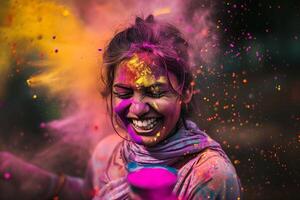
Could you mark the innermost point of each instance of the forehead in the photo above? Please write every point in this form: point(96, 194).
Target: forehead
point(140, 70)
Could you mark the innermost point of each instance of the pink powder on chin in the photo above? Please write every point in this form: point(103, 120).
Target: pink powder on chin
point(151, 178)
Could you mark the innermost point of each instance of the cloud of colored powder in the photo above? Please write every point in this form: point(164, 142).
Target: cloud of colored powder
point(67, 39)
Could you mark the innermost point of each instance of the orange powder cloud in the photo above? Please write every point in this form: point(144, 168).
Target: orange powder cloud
point(67, 38)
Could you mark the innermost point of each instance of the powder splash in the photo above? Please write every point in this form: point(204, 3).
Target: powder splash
point(139, 69)
point(63, 41)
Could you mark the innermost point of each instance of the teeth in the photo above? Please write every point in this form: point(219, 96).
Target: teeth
point(145, 124)
point(140, 123)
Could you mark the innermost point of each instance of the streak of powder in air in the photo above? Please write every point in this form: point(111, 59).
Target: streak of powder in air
point(69, 41)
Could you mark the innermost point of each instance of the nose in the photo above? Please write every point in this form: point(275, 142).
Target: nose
point(139, 108)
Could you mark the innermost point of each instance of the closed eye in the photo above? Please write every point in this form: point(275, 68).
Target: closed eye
point(122, 92)
point(123, 95)
point(155, 95)
point(155, 91)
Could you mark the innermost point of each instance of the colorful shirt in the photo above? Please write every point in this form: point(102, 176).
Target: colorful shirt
point(204, 170)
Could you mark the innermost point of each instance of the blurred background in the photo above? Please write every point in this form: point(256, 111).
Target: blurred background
point(246, 60)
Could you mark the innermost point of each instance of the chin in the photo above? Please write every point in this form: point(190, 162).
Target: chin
point(150, 141)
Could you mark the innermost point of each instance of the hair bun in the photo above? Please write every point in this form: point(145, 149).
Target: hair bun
point(150, 19)
point(138, 20)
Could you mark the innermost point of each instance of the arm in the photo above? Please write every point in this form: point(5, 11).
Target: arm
point(22, 180)
point(95, 176)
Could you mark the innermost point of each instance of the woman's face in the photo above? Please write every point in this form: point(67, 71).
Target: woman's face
point(143, 99)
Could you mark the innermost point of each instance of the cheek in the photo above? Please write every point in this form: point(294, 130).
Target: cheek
point(170, 107)
point(120, 108)
point(116, 102)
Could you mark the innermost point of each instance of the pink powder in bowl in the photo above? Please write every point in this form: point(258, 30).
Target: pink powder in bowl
point(152, 183)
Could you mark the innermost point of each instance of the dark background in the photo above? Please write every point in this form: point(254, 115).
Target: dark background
point(258, 95)
point(249, 100)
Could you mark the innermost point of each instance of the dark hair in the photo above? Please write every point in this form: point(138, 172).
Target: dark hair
point(164, 41)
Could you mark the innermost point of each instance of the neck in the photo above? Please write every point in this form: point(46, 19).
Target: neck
point(180, 123)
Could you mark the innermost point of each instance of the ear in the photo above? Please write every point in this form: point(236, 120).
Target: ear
point(188, 94)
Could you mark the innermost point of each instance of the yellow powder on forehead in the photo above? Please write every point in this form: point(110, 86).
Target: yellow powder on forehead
point(143, 73)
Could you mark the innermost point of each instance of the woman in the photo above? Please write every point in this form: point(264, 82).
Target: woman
point(151, 85)
point(150, 88)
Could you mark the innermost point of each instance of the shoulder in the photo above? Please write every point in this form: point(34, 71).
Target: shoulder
point(214, 175)
point(214, 163)
point(103, 152)
point(105, 147)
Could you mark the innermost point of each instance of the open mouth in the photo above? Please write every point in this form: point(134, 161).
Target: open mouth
point(144, 126)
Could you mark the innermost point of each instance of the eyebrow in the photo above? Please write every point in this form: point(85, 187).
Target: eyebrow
point(157, 84)
point(119, 85)
point(122, 86)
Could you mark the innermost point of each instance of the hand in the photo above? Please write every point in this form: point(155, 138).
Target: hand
point(21, 180)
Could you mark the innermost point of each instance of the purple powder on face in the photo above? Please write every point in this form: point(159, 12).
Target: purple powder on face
point(134, 137)
point(121, 111)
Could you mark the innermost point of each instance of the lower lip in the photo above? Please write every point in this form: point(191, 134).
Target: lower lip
point(147, 132)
